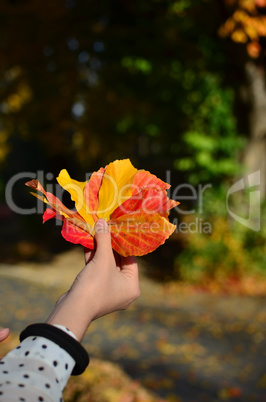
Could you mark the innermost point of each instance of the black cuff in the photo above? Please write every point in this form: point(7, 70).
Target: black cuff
point(62, 339)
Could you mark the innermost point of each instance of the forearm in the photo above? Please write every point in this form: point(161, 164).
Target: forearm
point(75, 312)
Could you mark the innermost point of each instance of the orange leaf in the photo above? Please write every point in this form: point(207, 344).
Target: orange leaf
point(139, 235)
point(260, 3)
point(144, 179)
point(139, 225)
point(254, 49)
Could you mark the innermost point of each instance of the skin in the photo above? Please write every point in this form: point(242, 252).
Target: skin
point(4, 334)
point(107, 283)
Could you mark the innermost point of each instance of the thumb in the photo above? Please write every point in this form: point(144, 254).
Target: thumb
point(102, 237)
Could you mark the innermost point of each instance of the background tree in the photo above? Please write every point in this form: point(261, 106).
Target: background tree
point(246, 25)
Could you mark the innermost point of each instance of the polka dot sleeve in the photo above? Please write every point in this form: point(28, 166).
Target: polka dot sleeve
point(37, 370)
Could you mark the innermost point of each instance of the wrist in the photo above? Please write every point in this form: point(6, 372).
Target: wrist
point(72, 314)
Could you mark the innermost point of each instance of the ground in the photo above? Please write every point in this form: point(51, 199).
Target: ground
point(180, 343)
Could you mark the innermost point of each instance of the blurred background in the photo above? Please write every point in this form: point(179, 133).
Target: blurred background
point(179, 87)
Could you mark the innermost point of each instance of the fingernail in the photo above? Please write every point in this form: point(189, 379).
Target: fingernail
point(101, 226)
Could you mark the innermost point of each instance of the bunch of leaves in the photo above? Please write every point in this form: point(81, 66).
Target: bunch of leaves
point(133, 202)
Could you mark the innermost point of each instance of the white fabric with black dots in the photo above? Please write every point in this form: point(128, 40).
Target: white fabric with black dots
point(37, 370)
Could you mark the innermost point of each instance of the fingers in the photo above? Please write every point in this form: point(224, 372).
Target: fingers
point(88, 254)
point(130, 270)
point(130, 264)
point(4, 334)
point(130, 261)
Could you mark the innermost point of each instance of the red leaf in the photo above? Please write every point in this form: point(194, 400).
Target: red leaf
point(76, 235)
point(147, 201)
point(59, 210)
point(91, 192)
point(51, 199)
point(49, 214)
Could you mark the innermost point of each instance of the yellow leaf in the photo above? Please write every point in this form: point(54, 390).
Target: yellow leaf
point(252, 32)
point(239, 36)
point(116, 186)
point(240, 16)
point(76, 190)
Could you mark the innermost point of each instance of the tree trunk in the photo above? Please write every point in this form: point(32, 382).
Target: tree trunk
point(255, 154)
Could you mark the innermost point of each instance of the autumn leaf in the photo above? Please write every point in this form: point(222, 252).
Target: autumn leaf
point(246, 25)
point(133, 202)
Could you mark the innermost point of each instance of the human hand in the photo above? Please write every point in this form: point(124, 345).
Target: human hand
point(108, 283)
point(4, 334)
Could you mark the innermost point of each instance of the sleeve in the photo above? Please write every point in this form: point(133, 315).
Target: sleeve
point(38, 369)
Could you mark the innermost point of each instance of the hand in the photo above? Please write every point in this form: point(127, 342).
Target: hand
point(4, 334)
point(108, 283)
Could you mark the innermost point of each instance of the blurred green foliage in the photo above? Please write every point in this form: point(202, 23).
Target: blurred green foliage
point(229, 250)
point(212, 141)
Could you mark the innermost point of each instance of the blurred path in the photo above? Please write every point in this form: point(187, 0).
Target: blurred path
point(187, 347)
